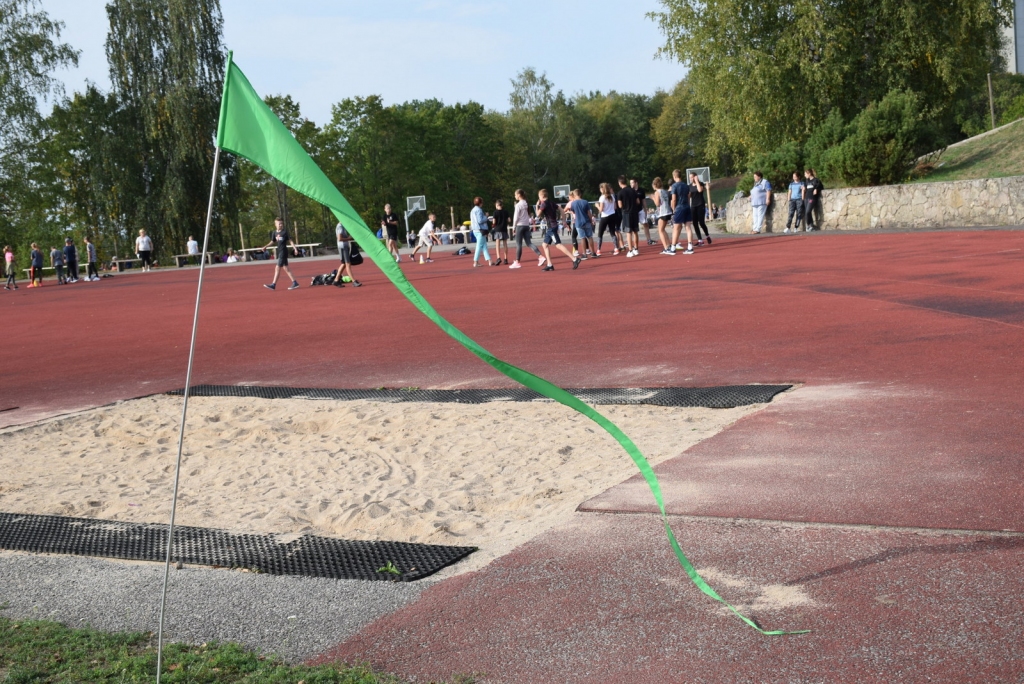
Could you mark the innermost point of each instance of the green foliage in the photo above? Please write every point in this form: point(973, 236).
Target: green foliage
point(777, 166)
point(768, 73)
point(38, 651)
point(29, 52)
point(882, 142)
point(167, 68)
point(974, 114)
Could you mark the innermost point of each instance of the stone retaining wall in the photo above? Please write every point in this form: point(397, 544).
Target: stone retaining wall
point(987, 202)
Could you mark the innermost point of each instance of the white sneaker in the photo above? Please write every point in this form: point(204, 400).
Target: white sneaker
point(678, 245)
point(669, 252)
point(630, 255)
point(786, 230)
point(540, 261)
point(514, 264)
point(689, 250)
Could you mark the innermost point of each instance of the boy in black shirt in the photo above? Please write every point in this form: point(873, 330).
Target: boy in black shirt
point(71, 259)
point(812, 199)
point(389, 224)
point(282, 239)
point(698, 208)
point(500, 231)
point(548, 211)
point(630, 218)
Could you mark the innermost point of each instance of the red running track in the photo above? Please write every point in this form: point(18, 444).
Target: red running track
point(907, 348)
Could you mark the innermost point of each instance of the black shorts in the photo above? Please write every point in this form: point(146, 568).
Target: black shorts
point(392, 233)
point(282, 257)
point(146, 257)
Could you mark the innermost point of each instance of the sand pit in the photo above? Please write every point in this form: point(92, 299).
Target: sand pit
point(488, 475)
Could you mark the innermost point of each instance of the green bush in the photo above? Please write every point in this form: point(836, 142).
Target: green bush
point(829, 134)
point(881, 143)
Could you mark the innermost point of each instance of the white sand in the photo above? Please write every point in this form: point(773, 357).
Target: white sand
point(488, 475)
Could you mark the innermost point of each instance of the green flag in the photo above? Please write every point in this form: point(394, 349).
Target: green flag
point(250, 129)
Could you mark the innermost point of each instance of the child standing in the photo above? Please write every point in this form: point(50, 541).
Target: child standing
point(57, 261)
point(90, 251)
point(9, 268)
point(35, 272)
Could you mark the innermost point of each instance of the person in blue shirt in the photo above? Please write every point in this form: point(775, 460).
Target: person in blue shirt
point(682, 216)
point(583, 223)
point(35, 273)
point(796, 203)
point(478, 223)
point(760, 200)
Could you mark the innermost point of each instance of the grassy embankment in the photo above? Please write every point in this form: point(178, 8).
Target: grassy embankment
point(997, 155)
point(39, 651)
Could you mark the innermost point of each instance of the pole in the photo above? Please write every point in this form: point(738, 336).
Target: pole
point(407, 225)
point(241, 236)
point(991, 102)
point(296, 225)
point(452, 209)
point(184, 411)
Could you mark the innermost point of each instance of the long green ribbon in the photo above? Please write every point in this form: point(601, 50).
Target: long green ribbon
point(250, 129)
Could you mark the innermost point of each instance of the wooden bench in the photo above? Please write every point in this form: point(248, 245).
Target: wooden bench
point(182, 259)
point(81, 267)
point(246, 252)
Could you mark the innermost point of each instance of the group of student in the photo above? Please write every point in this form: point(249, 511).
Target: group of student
point(64, 262)
point(620, 213)
point(804, 201)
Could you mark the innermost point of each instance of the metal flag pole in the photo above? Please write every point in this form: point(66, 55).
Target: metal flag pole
point(184, 411)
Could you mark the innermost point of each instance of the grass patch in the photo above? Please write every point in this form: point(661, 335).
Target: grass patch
point(40, 651)
point(722, 190)
point(995, 156)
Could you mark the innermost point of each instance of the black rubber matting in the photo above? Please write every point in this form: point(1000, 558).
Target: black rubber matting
point(307, 556)
point(707, 397)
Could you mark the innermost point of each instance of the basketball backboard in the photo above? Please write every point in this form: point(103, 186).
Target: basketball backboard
point(703, 172)
point(562, 191)
point(413, 204)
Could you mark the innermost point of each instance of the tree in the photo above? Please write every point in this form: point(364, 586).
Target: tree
point(29, 53)
point(167, 68)
point(769, 73)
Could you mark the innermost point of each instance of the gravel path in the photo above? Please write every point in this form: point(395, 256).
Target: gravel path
point(293, 617)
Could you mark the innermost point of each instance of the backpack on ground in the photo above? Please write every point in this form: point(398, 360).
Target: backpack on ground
point(324, 278)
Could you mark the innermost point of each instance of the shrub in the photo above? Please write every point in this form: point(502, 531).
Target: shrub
point(881, 143)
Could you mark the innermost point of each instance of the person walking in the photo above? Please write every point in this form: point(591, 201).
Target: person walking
point(144, 249)
point(523, 230)
point(57, 261)
point(626, 201)
point(606, 217)
point(547, 211)
point(71, 260)
point(583, 223)
point(10, 268)
point(345, 255)
point(812, 200)
point(282, 239)
point(681, 214)
point(426, 238)
point(389, 227)
point(501, 219)
point(91, 274)
point(698, 208)
point(760, 200)
point(478, 223)
point(796, 204)
point(35, 266)
point(663, 212)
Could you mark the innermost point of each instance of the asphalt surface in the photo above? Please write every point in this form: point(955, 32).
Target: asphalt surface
point(293, 617)
point(907, 420)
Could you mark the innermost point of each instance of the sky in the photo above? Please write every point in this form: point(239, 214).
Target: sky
point(322, 51)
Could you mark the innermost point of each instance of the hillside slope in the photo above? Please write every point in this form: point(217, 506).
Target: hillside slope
point(996, 155)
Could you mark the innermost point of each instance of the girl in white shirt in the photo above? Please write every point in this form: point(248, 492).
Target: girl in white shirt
point(663, 202)
point(606, 208)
